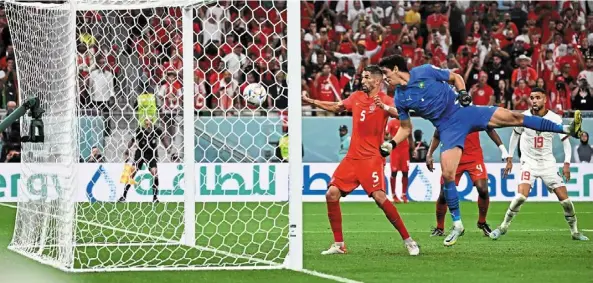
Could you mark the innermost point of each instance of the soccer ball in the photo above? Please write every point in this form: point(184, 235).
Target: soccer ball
point(255, 94)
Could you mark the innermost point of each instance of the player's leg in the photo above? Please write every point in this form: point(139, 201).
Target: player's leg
point(525, 185)
point(449, 161)
point(569, 213)
point(395, 219)
point(556, 184)
point(137, 166)
point(371, 177)
point(505, 118)
point(334, 214)
point(479, 176)
point(405, 169)
point(343, 182)
point(441, 212)
point(152, 165)
point(392, 181)
point(483, 205)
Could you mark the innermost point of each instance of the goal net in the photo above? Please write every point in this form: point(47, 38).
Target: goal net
point(143, 102)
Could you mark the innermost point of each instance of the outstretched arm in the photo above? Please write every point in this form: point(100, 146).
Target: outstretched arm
point(496, 139)
point(330, 106)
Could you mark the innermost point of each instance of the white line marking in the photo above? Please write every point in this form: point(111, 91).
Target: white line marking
point(330, 277)
point(169, 241)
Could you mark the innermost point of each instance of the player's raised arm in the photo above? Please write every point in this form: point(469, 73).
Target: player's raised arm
point(331, 106)
point(496, 139)
point(457, 80)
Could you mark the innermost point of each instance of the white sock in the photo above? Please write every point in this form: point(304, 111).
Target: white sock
point(340, 244)
point(570, 215)
point(566, 129)
point(458, 224)
point(513, 209)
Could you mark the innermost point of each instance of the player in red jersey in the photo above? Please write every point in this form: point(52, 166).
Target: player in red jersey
point(472, 162)
point(363, 164)
point(399, 160)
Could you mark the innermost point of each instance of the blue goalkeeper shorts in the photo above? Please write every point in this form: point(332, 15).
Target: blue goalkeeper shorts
point(468, 119)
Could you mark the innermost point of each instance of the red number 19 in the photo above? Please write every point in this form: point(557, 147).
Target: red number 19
point(538, 142)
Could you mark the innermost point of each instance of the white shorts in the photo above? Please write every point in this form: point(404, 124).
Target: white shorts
point(548, 173)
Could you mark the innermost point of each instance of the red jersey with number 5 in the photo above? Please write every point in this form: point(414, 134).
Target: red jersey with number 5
point(472, 150)
point(368, 124)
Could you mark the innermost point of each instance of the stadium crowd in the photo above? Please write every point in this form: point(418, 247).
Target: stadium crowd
point(130, 60)
point(501, 48)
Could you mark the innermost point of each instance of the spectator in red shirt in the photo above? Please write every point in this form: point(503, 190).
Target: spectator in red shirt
point(481, 92)
point(326, 85)
point(476, 30)
point(524, 72)
point(559, 99)
point(507, 24)
point(437, 19)
point(521, 96)
point(574, 59)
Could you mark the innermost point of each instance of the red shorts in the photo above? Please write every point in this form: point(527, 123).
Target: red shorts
point(399, 162)
point(476, 170)
point(352, 173)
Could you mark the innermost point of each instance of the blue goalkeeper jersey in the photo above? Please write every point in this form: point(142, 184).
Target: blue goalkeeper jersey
point(428, 94)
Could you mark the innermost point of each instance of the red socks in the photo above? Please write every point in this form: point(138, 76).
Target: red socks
point(392, 183)
point(334, 213)
point(441, 212)
point(483, 205)
point(395, 219)
point(405, 185)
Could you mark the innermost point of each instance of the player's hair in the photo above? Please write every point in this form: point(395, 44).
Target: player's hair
point(394, 60)
point(374, 70)
point(538, 89)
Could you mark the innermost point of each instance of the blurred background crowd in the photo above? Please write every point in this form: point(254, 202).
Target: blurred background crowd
point(130, 64)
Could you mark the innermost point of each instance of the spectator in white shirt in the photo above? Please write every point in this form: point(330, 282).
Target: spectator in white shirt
point(357, 57)
point(212, 30)
point(102, 91)
point(312, 35)
point(235, 61)
point(355, 13)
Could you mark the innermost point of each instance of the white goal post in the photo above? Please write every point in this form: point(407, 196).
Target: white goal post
point(105, 69)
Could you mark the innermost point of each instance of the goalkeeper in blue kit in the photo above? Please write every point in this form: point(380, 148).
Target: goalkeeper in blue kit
point(427, 91)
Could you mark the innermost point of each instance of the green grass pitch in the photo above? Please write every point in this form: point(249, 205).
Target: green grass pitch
point(538, 248)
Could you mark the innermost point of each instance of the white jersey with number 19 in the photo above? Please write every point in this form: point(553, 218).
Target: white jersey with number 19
point(537, 156)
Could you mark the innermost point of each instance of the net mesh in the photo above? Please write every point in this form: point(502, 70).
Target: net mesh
point(103, 74)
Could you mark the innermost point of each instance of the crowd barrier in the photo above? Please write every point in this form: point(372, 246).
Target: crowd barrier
point(255, 182)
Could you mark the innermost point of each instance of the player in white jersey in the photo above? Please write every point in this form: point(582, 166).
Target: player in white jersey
point(537, 161)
